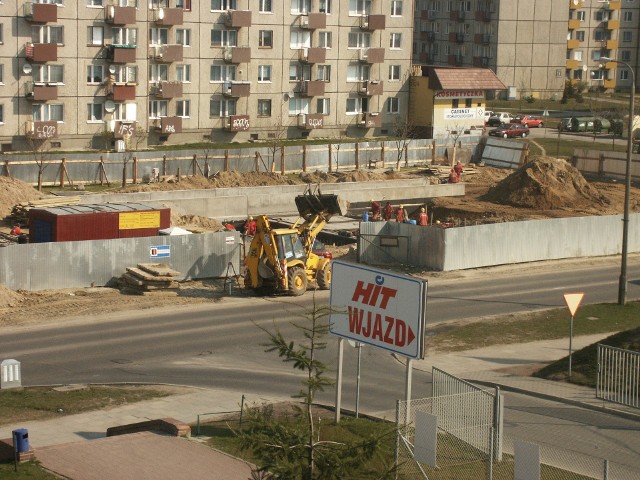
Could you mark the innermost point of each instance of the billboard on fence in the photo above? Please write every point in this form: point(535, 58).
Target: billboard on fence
point(379, 308)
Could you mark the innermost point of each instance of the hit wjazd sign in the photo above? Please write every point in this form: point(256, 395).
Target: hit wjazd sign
point(379, 308)
point(133, 220)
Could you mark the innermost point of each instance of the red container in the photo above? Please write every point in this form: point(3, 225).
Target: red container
point(96, 222)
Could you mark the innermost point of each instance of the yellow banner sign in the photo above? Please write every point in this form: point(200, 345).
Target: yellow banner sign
point(133, 220)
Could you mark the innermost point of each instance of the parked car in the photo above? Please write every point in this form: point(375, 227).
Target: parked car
point(528, 120)
point(499, 118)
point(565, 124)
point(510, 130)
point(487, 115)
point(320, 249)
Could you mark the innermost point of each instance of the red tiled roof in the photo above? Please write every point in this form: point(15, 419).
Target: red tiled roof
point(464, 79)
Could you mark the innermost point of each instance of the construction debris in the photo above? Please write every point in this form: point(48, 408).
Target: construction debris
point(20, 213)
point(149, 279)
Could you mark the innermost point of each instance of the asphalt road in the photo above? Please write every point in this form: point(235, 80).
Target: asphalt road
point(219, 345)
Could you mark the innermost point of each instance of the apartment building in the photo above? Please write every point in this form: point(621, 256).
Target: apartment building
point(86, 73)
point(523, 42)
point(603, 29)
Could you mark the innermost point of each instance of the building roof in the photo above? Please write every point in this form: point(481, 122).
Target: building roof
point(97, 208)
point(441, 78)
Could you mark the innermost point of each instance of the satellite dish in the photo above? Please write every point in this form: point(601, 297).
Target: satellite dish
point(112, 69)
point(286, 97)
point(27, 68)
point(161, 14)
point(576, 2)
point(109, 106)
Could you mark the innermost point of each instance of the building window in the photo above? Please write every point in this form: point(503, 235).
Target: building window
point(95, 112)
point(48, 74)
point(1, 73)
point(126, 112)
point(324, 73)
point(264, 73)
point(325, 39)
point(124, 36)
point(48, 112)
point(324, 106)
point(183, 108)
point(358, 73)
point(357, 105)
point(1, 113)
point(394, 72)
point(300, 7)
point(158, 36)
point(183, 73)
point(625, 55)
point(183, 37)
point(359, 40)
point(95, 74)
point(624, 74)
point(299, 39)
point(222, 5)
point(47, 34)
point(265, 6)
point(581, 15)
point(393, 105)
point(95, 35)
point(158, 108)
point(222, 108)
point(628, 16)
point(324, 6)
point(580, 35)
point(396, 8)
point(126, 73)
point(224, 38)
point(395, 41)
point(298, 106)
point(95, 3)
point(359, 7)
point(264, 108)
point(299, 72)
point(158, 72)
point(222, 73)
point(627, 36)
point(265, 39)
point(184, 4)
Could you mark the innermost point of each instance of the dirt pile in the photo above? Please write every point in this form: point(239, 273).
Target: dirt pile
point(8, 297)
point(12, 192)
point(546, 184)
point(195, 223)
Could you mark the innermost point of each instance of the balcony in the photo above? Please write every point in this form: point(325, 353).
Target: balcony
point(41, 12)
point(313, 21)
point(428, 36)
point(371, 55)
point(572, 64)
point(237, 55)
point(168, 125)
point(456, 60)
point(427, 57)
point(166, 53)
point(573, 44)
point(310, 121)
point(574, 24)
point(609, 84)
point(311, 88)
point(237, 123)
point(121, 53)
point(41, 130)
point(167, 90)
point(483, 16)
point(41, 52)
point(237, 18)
point(370, 120)
point(610, 65)
point(40, 92)
point(612, 25)
point(312, 55)
point(120, 92)
point(121, 128)
point(236, 89)
point(612, 5)
point(575, 5)
point(120, 15)
point(168, 17)
point(457, 15)
point(459, 37)
point(369, 88)
point(482, 38)
point(371, 23)
point(609, 44)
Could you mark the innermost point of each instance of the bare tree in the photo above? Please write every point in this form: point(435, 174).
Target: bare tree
point(276, 140)
point(139, 136)
point(455, 135)
point(39, 148)
point(403, 131)
point(335, 147)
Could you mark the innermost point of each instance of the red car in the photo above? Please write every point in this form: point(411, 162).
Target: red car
point(528, 120)
point(510, 130)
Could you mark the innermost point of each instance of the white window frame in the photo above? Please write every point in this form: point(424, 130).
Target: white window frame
point(325, 39)
point(359, 40)
point(226, 107)
point(265, 6)
point(393, 105)
point(128, 36)
point(265, 102)
point(185, 68)
point(158, 72)
point(359, 7)
point(323, 106)
point(395, 41)
point(300, 7)
point(45, 33)
point(298, 105)
point(183, 37)
point(48, 112)
point(222, 73)
point(48, 73)
point(228, 38)
point(92, 110)
point(357, 105)
point(95, 35)
point(158, 36)
point(95, 74)
point(396, 8)
point(126, 73)
point(185, 106)
point(158, 109)
point(264, 73)
point(223, 5)
point(395, 71)
point(299, 39)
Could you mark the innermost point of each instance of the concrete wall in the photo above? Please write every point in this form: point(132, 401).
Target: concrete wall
point(497, 244)
point(279, 199)
point(41, 266)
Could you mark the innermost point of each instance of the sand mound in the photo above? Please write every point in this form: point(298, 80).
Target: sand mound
point(12, 192)
point(8, 297)
point(196, 223)
point(250, 179)
point(547, 184)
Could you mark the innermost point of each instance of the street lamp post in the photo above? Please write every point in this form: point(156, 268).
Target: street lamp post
point(622, 285)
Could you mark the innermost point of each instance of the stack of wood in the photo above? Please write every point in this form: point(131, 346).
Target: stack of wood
point(441, 172)
point(20, 213)
point(150, 279)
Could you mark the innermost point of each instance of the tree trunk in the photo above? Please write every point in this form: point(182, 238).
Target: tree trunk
point(40, 179)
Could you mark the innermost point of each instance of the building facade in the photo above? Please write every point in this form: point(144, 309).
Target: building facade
point(524, 43)
point(603, 29)
point(86, 73)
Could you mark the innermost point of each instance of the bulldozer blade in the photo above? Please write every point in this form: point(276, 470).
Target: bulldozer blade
point(312, 203)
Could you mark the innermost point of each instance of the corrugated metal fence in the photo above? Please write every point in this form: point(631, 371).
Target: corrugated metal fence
point(41, 266)
point(618, 377)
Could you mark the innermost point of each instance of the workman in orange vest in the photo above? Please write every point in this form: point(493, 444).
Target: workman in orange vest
point(401, 214)
point(423, 219)
point(375, 210)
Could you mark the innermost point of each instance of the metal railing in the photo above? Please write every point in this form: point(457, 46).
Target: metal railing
point(618, 378)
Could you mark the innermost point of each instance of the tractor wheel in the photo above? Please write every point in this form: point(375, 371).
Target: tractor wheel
point(323, 277)
point(297, 279)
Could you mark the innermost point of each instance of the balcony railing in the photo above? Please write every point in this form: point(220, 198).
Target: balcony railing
point(168, 125)
point(237, 55)
point(41, 130)
point(41, 52)
point(237, 123)
point(237, 18)
point(310, 121)
point(39, 92)
point(116, 15)
point(41, 12)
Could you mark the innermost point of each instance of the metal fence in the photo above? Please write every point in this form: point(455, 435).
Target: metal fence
point(618, 378)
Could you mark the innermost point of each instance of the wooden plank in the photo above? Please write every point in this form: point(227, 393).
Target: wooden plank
point(158, 269)
point(136, 272)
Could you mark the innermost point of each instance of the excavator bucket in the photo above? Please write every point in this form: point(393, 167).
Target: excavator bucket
point(312, 202)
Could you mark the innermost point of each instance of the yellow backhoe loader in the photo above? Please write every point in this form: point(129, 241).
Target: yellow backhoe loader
point(281, 259)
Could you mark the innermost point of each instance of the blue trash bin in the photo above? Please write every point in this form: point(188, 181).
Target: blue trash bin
point(21, 440)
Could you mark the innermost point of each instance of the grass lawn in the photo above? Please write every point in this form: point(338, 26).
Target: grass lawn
point(27, 470)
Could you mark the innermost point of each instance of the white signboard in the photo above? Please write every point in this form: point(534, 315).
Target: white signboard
point(379, 308)
point(463, 113)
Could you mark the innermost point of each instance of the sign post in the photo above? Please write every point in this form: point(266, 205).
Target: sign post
point(573, 302)
point(379, 308)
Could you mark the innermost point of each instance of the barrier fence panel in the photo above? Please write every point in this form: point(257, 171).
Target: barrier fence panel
point(618, 378)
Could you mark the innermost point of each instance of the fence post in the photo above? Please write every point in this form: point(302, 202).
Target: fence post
point(497, 416)
point(135, 170)
point(382, 153)
point(357, 156)
point(194, 164)
point(600, 164)
point(605, 473)
point(164, 165)
point(63, 168)
point(226, 160)
point(330, 156)
point(7, 173)
point(282, 160)
point(257, 163)
point(433, 152)
point(101, 169)
point(304, 157)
